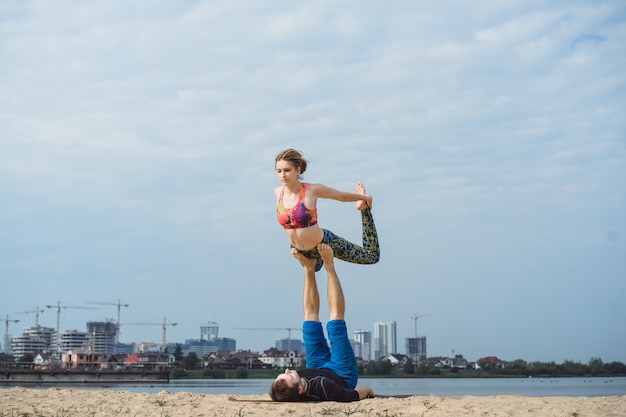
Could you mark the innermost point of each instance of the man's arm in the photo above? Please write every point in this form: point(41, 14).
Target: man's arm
point(365, 392)
point(333, 392)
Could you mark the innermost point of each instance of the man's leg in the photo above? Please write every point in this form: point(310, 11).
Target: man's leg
point(336, 300)
point(342, 361)
point(317, 350)
point(311, 296)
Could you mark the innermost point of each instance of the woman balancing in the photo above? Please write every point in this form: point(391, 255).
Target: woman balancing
point(297, 213)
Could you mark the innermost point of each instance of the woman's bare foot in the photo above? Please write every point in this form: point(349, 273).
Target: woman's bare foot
point(304, 261)
point(366, 203)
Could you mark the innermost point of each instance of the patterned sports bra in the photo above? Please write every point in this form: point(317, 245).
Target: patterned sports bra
point(298, 216)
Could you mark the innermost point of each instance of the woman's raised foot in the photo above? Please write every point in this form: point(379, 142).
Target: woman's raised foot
point(366, 203)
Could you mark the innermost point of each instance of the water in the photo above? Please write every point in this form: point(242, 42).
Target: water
point(548, 387)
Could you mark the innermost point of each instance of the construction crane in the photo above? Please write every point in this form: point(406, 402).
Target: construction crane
point(164, 324)
point(59, 307)
point(119, 307)
point(35, 312)
point(415, 317)
point(289, 329)
point(6, 333)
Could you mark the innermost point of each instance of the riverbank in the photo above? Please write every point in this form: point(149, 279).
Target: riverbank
point(21, 377)
point(77, 403)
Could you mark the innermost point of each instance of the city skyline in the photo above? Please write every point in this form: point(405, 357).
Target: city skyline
point(206, 327)
point(103, 337)
point(414, 347)
point(207, 330)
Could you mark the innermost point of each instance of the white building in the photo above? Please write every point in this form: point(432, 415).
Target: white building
point(144, 347)
point(33, 340)
point(73, 339)
point(385, 342)
point(364, 340)
point(282, 359)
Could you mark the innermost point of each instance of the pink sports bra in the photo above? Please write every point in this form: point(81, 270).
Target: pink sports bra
point(298, 216)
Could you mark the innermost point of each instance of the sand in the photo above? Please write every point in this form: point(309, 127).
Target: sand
point(57, 402)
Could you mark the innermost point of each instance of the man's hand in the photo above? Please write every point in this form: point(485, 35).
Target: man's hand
point(365, 392)
point(307, 263)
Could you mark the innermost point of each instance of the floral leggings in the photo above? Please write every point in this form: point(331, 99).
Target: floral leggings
point(347, 251)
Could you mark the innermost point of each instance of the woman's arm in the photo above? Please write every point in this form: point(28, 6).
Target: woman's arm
point(322, 191)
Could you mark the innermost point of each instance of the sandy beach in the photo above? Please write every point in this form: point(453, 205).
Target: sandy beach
point(56, 402)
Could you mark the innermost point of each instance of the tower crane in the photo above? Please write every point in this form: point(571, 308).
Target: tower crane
point(6, 333)
point(59, 307)
point(36, 312)
point(289, 329)
point(164, 324)
point(415, 317)
point(119, 307)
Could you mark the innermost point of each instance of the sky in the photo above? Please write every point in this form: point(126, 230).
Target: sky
point(137, 146)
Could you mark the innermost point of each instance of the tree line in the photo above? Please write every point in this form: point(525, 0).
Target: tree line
point(595, 367)
point(518, 367)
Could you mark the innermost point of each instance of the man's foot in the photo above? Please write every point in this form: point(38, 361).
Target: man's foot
point(365, 203)
point(306, 262)
point(327, 254)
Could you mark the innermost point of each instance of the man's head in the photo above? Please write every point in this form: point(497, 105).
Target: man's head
point(288, 386)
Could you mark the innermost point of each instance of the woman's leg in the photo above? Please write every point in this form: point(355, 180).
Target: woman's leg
point(347, 251)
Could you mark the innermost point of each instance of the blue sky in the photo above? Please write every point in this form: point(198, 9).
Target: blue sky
point(137, 163)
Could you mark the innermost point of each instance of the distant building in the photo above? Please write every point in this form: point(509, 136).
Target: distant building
point(124, 348)
point(104, 336)
point(81, 358)
point(205, 347)
point(209, 330)
point(416, 348)
point(458, 362)
point(143, 347)
point(493, 360)
point(33, 340)
point(282, 359)
point(233, 360)
point(357, 348)
point(397, 360)
point(384, 339)
point(73, 339)
point(208, 343)
point(290, 344)
point(43, 360)
point(149, 361)
point(364, 345)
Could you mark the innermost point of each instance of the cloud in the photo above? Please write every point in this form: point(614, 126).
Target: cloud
point(138, 144)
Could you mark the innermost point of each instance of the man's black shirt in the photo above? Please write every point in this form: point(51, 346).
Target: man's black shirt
point(325, 385)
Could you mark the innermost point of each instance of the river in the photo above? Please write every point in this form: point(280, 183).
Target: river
point(550, 387)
